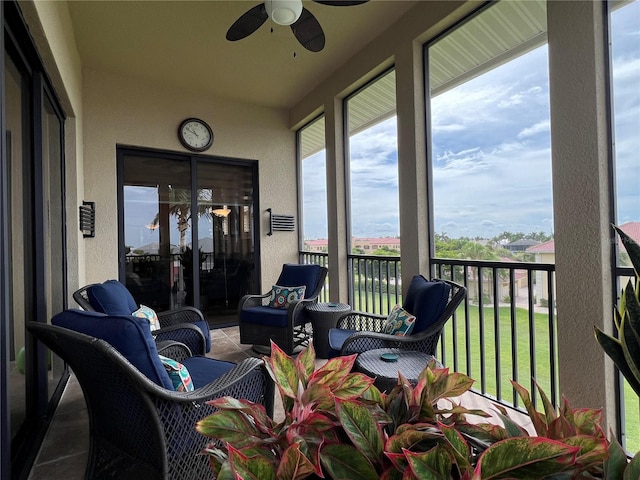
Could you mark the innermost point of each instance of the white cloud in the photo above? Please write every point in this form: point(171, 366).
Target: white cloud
point(540, 127)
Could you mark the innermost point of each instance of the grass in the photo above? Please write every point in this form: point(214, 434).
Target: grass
point(497, 384)
point(482, 356)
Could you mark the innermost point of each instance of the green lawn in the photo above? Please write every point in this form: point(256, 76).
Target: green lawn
point(523, 372)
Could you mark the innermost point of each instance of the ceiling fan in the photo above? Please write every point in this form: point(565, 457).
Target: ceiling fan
point(304, 25)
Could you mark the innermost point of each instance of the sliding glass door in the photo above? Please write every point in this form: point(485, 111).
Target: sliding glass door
point(168, 201)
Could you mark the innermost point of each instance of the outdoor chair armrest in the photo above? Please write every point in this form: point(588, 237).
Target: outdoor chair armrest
point(362, 321)
point(175, 350)
point(180, 315)
point(247, 379)
point(186, 333)
point(424, 341)
point(254, 301)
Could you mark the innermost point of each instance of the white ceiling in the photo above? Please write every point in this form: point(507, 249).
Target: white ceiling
point(183, 44)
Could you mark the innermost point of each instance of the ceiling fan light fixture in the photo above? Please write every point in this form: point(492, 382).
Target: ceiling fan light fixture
point(284, 12)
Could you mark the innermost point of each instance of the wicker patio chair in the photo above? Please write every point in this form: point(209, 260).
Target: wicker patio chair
point(432, 302)
point(139, 427)
point(288, 327)
point(185, 325)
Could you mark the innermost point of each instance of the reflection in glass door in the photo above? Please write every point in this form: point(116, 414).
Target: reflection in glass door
point(225, 239)
point(165, 267)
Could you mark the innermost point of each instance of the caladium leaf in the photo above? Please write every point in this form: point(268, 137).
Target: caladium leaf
point(413, 438)
point(510, 426)
point(255, 410)
point(446, 385)
point(294, 465)
point(587, 421)
point(363, 430)
point(334, 371)
point(353, 386)
point(250, 468)
point(230, 426)
point(593, 451)
point(319, 395)
point(525, 457)
point(549, 410)
point(391, 473)
point(458, 446)
point(306, 363)
point(538, 420)
point(283, 371)
point(434, 464)
point(345, 461)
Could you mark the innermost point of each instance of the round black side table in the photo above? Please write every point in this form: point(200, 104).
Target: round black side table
point(409, 362)
point(324, 316)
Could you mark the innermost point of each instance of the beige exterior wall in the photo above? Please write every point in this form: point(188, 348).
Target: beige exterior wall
point(125, 111)
point(50, 26)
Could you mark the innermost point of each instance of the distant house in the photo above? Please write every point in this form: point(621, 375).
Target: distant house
point(320, 245)
point(546, 253)
point(521, 245)
point(367, 244)
point(375, 243)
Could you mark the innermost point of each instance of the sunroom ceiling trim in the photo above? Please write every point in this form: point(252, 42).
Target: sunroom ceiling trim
point(502, 32)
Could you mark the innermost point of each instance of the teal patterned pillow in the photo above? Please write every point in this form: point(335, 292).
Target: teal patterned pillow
point(149, 314)
point(281, 297)
point(178, 374)
point(399, 322)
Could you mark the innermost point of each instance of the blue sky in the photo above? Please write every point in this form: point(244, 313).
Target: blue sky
point(491, 152)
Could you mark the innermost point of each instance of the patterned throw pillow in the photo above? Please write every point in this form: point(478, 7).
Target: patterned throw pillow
point(178, 374)
point(399, 322)
point(281, 297)
point(149, 314)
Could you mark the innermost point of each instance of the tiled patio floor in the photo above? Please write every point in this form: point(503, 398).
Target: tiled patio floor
point(64, 451)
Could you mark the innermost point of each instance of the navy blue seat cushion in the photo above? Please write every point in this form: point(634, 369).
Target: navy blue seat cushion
point(337, 336)
point(426, 300)
point(274, 317)
point(131, 336)
point(204, 370)
point(295, 275)
point(112, 298)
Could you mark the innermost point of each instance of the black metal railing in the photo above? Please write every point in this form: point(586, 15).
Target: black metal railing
point(317, 258)
point(374, 283)
point(506, 329)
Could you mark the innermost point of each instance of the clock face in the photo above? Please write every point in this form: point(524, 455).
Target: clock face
point(195, 134)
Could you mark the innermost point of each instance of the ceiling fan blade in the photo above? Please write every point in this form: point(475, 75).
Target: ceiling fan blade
point(341, 3)
point(308, 31)
point(248, 23)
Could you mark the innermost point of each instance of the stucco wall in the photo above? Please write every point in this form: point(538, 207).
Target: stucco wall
point(50, 27)
point(125, 111)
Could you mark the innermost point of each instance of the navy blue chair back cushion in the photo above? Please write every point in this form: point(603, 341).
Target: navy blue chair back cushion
point(112, 298)
point(426, 300)
point(131, 336)
point(294, 275)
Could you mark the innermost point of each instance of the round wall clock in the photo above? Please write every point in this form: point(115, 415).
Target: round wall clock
point(195, 134)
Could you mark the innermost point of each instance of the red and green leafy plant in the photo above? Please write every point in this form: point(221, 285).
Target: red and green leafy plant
point(338, 425)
